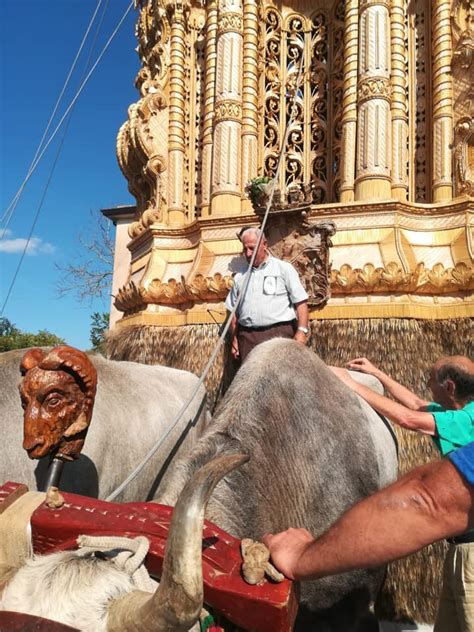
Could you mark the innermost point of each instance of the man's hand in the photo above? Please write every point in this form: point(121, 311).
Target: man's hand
point(363, 365)
point(300, 336)
point(234, 348)
point(286, 548)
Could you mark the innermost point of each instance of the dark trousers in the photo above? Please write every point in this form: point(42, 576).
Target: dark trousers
point(248, 337)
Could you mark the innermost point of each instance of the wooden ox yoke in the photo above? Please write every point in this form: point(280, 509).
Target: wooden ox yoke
point(267, 608)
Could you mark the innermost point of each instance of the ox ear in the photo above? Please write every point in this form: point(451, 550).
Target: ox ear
point(31, 358)
point(77, 426)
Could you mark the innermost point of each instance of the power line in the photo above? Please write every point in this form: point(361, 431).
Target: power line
point(13, 204)
point(78, 93)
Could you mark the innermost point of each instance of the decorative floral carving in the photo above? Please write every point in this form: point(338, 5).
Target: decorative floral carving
point(463, 150)
point(462, 19)
point(209, 288)
point(374, 87)
point(230, 22)
point(310, 160)
point(152, 32)
point(228, 110)
point(307, 249)
point(369, 279)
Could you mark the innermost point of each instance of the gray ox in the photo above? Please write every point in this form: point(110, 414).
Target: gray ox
point(315, 448)
point(135, 405)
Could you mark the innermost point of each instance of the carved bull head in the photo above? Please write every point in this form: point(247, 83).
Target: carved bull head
point(57, 395)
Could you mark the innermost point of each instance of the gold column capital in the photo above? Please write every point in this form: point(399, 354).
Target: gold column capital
point(365, 4)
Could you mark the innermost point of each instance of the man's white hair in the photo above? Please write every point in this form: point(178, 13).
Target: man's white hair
point(251, 230)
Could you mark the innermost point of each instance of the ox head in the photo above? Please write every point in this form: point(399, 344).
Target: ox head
point(57, 395)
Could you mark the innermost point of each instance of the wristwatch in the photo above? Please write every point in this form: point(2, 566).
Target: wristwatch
point(305, 330)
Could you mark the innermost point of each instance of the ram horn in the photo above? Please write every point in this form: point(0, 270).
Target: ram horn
point(177, 602)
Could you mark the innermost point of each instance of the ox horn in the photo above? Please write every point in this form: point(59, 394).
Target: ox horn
point(177, 602)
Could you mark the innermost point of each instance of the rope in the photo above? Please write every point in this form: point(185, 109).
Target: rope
point(128, 554)
point(78, 93)
point(8, 214)
point(226, 328)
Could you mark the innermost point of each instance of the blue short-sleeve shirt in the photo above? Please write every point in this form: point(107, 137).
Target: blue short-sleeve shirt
point(463, 460)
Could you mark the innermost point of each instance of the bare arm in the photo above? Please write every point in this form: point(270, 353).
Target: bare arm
point(425, 505)
point(233, 337)
point(302, 316)
point(401, 415)
point(396, 390)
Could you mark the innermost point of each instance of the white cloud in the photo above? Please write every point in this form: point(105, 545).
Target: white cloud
point(36, 245)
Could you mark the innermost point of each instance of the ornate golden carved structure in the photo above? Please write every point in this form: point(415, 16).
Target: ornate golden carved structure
point(381, 144)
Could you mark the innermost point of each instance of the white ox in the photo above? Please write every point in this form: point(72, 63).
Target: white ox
point(135, 406)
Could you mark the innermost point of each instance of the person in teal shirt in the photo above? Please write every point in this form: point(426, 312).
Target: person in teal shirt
point(449, 419)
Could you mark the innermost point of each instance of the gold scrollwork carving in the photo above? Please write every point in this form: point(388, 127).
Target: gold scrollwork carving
point(462, 20)
point(227, 110)
point(463, 151)
point(230, 22)
point(375, 87)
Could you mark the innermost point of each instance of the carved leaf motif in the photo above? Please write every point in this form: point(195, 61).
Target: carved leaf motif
point(439, 276)
point(345, 278)
point(369, 276)
point(463, 276)
point(393, 276)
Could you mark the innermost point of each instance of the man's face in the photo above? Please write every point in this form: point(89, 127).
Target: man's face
point(249, 242)
point(439, 392)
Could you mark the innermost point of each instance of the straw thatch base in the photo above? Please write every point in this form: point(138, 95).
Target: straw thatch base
point(404, 348)
point(188, 348)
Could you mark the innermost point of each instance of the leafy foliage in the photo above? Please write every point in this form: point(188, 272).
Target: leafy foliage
point(99, 327)
point(13, 338)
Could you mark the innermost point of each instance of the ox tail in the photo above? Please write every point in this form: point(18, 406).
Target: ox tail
point(177, 602)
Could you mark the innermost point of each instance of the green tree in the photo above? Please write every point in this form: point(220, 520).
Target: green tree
point(99, 327)
point(13, 338)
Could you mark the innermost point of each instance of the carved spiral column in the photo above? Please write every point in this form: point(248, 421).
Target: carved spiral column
point(399, 55)
point(373, 99)
point(250, 93)
point(177, 16)
point(209, 96)
point(349, 103)
point(442, 101)
point(226, 176)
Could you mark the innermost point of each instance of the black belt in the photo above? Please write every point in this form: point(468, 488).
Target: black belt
point(464, 538)
point(286, 322)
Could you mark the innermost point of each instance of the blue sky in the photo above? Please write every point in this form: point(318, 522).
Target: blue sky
point(39, 40)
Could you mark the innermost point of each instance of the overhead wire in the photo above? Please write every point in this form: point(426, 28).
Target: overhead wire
point(8, 214)
point(53, 167)
point(75, 98)
point(228, 323)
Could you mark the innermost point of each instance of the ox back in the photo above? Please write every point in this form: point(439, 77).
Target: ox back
point(134, 406)
point(315, 448)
